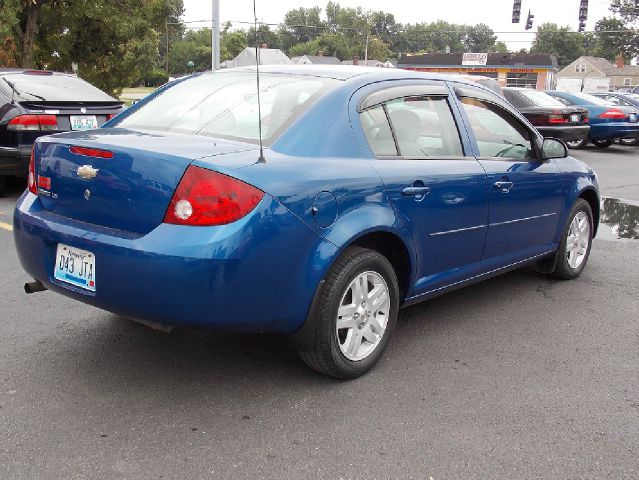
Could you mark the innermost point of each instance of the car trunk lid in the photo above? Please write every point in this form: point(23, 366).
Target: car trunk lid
point(119, 178)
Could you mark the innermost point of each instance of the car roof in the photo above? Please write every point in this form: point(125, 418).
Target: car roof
point(347, 72)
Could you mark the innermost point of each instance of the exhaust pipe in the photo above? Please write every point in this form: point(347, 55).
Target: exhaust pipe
point(33, 287)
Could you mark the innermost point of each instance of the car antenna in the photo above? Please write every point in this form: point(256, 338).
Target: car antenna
point(261, 158)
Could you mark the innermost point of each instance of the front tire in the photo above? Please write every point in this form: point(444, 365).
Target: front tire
point(358, 308)
point(602, 143)
point(576, 242)
point(578, 144)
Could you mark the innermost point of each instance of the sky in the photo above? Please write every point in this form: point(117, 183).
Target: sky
point(494, 13)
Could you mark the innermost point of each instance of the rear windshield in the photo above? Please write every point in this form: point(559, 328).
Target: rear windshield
point(224, 104)
point(591, 99)
point(540, 99)
point(53, 88)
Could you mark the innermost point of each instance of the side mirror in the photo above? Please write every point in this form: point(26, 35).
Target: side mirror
point(554, 148)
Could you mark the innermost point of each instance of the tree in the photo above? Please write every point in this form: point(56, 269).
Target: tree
point(19, 19)
point(331, 44)
point(194, 47)
point(232, 44)
point(111, 50)
point(479, 38)
point(567, 45)
point(609, 45)
point(627, 9)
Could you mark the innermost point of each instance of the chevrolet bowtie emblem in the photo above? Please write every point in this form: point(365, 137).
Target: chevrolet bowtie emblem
point(87, 172)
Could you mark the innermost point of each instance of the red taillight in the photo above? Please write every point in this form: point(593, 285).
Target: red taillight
point(110, 116)
point(33, 123)
point(204, 197)
point(91, 152)
point(613, 113)
point(33, 188)
point(557, 118)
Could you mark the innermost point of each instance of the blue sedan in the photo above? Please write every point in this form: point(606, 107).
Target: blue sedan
point(377, 189)
point(608, 121)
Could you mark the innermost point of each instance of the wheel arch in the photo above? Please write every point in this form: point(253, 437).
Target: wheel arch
point(589, 195)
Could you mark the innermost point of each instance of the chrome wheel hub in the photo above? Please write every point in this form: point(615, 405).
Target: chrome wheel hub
point(578, 240)
point(362, 316)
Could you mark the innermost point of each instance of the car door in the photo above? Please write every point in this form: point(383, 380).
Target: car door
point(437, 190)
point(526, 193)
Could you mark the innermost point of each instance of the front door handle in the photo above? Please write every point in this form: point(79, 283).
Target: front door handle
point(504, 186)
point(415, 191)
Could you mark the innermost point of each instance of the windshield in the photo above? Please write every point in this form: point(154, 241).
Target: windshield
point(54, 88)
point(540, 99)
point(224, 104)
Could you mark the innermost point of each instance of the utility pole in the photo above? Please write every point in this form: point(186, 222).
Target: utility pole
point(215, 35)
point(366, 49)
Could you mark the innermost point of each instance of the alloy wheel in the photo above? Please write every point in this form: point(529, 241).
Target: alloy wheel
point(362, 316)
point(578, 240)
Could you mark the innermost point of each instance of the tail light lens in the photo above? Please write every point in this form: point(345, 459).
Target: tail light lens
point(613, 113)
point(205, 198)
point(33, 123)
point(91, 152)
point(32, 185)
point(557, 118)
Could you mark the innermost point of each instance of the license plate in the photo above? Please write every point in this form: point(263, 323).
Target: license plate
point(75, 266)
point(83, 122)
point(633, 117)
point(575, 118)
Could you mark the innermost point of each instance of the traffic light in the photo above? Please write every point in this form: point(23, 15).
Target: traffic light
point(529, 21)
point(516, 11)
point(583, 11)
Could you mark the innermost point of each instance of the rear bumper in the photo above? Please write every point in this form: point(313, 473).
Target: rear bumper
point(611, 131)
point(567, 133)
point(14, 161)
point(258, 274)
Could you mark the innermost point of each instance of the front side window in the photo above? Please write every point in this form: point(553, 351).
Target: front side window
point(498, 133)
point(225, 105)
point(424, 127)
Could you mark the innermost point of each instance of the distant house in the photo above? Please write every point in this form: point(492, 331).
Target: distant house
point(319, 59)
point(587, 68)
point(368, 63)
point(268, 56)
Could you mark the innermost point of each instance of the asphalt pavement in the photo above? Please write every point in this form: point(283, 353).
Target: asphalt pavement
point(517, 377)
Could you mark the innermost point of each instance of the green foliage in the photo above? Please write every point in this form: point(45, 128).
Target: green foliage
point(609, 45)
point(566, 44)
point(194, 47)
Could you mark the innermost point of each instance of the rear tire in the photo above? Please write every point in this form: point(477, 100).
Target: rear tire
point(578, 144)
point(629, 142)
point(602, 143)
point(357, 313)
point(574, 249)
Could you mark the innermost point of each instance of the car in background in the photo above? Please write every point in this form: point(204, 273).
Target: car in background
point(550, 116)
point(375, 189)
point(38, 102)
point(608, 122)
point(625, 100)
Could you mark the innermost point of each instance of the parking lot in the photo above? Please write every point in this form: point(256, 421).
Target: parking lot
point(517, 377)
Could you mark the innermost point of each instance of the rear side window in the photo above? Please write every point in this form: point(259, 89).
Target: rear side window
point(225, 105)
point(378, 132)
point(424, 127)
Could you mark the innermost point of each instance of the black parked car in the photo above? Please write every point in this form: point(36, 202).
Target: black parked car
point(622, 99)
point(35, 103)
point(551, 117)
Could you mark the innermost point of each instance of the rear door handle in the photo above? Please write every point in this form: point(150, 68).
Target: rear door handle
point(415, 191)
point(504, 186)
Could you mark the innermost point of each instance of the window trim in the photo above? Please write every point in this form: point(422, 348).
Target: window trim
point(402, 91)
